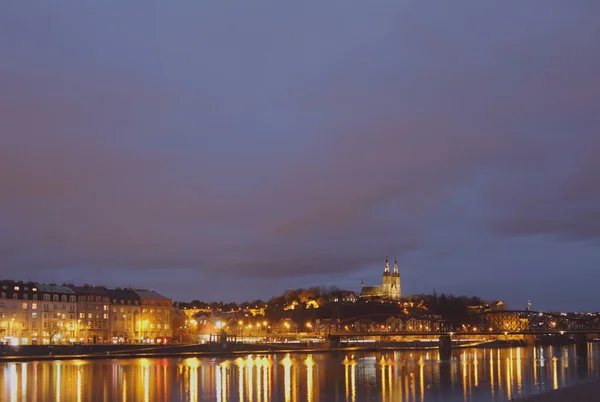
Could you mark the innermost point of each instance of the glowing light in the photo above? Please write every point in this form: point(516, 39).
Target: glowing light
point(554, 373)
point(287, 365)
point(309, 377)
point(240, 363)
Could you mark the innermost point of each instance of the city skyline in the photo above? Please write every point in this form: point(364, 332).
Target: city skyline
point(229, 153)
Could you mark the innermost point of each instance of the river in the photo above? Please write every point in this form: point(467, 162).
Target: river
point(472, 375)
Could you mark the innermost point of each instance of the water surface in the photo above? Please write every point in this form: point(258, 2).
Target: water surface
point(472, 375)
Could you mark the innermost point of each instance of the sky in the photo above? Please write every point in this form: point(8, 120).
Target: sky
point(232, 150)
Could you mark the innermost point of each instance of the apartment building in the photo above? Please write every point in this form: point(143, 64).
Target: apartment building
point(37, 313)
point(155, 319)
point(58, 315)
point(125, 317)
point(93, 313)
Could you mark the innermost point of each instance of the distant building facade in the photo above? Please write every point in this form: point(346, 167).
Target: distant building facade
point(155, 319)
point(125, 316)
point(93, 308)
point(390, 287)
point(37, 313)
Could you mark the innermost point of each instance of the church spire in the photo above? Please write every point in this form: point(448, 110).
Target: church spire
point(396, 267)
point(386, 270)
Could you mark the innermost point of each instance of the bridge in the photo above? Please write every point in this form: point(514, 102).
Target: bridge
point(513, 322)
point(493, 323)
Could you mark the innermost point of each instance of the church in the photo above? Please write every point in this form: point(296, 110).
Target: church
point(390, 287)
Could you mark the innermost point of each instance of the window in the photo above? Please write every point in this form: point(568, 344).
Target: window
point(98, 299)
point(166, 326)
point(81, 315)
point(34, 297)
point(16, 288)
point(90, 298)
point(72, 299)
point(2, 305)
point(34, 306)
point(34, 289)
point(55, 298)
point(15, 296)
point(34, 315)
point(3, 295)
point(105, 316)
point(46, 297)
point(105, 307)
point(63, 298)
point(24, 296)
point(24, 306)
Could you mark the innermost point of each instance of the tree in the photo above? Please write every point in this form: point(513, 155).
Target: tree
point(55, 332)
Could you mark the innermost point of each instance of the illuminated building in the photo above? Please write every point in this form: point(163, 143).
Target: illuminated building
point(390, 287)
point(58, 315)
point(37, 313)
point(154, 322)
point(93, 313)
point(18, 319)
point(125, 313)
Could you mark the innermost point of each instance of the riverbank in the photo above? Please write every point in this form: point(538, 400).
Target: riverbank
point(583, 392)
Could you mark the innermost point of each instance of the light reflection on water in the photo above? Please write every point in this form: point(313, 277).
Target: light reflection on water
point(472, 375)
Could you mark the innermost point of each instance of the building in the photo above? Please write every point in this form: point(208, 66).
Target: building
point(390, 287)
point(37, 313)
point(124, 316)
point(19, 312)
point(343, 296)
point(93, 313)
point(58, 315)
point(155, 319)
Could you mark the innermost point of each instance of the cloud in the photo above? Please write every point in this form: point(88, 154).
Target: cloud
point(260, 147)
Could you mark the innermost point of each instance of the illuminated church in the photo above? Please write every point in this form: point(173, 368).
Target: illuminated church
point(390, 287)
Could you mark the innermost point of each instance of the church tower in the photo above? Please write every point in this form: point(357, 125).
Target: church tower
point(395, 290)
point(387, 280)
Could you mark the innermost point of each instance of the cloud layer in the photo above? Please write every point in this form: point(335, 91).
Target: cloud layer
point(286, 145)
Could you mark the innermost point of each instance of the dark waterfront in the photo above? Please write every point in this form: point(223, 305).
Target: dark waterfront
point(472, 375)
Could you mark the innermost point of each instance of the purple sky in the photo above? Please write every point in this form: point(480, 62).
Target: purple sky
point(231, 150)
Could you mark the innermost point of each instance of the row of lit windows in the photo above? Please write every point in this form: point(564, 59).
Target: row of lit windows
point(16, 288)
point(45, 297)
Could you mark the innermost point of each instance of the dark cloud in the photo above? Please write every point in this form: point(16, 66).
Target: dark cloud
point(287, 144)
